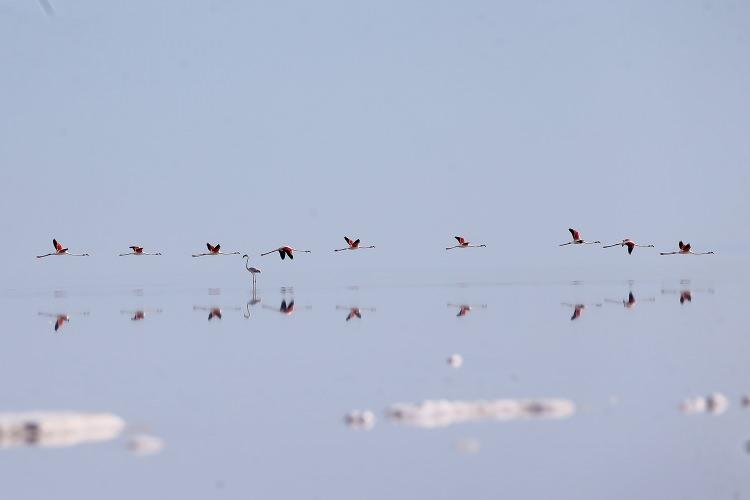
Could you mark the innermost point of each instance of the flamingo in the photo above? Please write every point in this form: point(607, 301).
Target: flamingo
point(355, 312)
point(465, 309)
point(685, 250)
point(686, 296)
point(353, 245)
point(252, 302)
point(252, 270)
point(60, 319)
point(60, 250)
point(214, 250)
point(577, 311)
point(577, 240)
point(462, 243)
point(214, 313)
point(628, 243)
point(136, 250)
point(285, 251)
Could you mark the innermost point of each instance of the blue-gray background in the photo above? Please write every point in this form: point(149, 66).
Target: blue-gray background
point(255, 124)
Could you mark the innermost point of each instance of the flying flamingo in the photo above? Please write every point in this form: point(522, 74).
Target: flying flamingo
point(136, 250)
point(462, 243)
point(628, 243)
point(353, 245)
point(685, 250)
point(60, 319)
point(577, 310)
point(285, 251)
point(252, 270)
point(214, 250)
point(60, 250)
point(577, 240)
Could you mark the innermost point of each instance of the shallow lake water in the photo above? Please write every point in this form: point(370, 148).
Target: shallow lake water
point(247, 395)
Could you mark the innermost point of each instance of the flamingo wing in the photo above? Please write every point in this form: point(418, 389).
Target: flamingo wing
point(281, 252)
point(631, 246)
point(58, 246)
point(210, 247)
point(348, 241)
point(461, 240)
point(686, 247)
point(355, 243)
point(681, 245)
point(289, 253)
point(575, 233)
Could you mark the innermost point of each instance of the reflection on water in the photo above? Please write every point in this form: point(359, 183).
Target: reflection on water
point(56, 429)
point(214, 312)
point(360, 419)
point(413, 351)
point(468, 446)
point(286, 308)
point(441, 413)
point(140, 314)
point(145, 444)
point(254, 300)
point(455, 360)
point(630, 302)
point(465, 309)
point(355, 312)
point(686, 293)
point(715, 404)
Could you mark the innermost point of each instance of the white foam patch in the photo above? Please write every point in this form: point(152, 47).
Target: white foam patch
point(441, 413)
point(57, 428)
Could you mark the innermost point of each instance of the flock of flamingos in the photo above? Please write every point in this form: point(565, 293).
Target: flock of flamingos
point(354, 244)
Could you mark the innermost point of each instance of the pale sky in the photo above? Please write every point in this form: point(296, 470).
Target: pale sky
point(255, 124)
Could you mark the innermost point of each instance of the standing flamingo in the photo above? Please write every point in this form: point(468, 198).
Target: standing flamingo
point(353, 245)
point(462, 243)
point(60, 250)
point(252, 270)
point(628, 243)
point(285, 251)
point(136, 250)
point(685, 250)
point(214, 250)
point(577, 240)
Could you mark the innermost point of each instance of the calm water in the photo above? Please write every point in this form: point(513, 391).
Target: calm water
point(251, 404)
